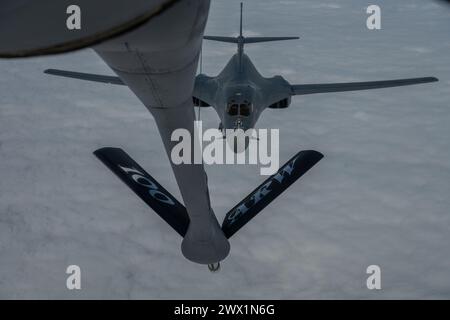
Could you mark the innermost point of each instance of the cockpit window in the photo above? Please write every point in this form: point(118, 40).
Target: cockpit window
point(233, 109)
point(245, 109)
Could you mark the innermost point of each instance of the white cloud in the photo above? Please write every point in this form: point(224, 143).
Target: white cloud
point(380, 196)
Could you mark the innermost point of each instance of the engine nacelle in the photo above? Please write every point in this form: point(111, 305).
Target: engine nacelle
point(199, 103)
point(282, 104)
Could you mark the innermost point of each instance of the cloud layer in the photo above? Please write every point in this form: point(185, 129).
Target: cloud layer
point(381, 195)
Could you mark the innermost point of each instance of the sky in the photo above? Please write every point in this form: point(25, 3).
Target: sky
point(379, 197)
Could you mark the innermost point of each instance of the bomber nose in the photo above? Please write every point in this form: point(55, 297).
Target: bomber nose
point(239, 141)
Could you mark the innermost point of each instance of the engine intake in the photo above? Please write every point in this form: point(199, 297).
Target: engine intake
point(282, 104)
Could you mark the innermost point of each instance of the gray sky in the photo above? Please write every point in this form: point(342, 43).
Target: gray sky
point(381, 195)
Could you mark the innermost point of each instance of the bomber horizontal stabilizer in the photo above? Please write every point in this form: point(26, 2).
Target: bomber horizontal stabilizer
point(146, 187)
point(248, 40)
point(241, 40)
point(267, 39)
point(268, 191)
